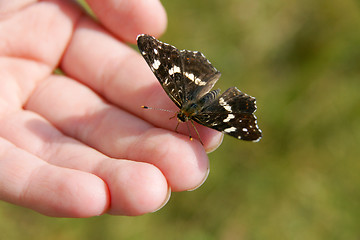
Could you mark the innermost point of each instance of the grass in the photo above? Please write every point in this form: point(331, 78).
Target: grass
point(300, 59)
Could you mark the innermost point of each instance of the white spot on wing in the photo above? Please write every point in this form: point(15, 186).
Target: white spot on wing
point(199, 82)
point(155, 51)
point(225, 105)
point(230, 129)
point(156, 64)
point(229, 117)
point(228, 108)
point(256, 140)
point(192, 78)
point(222, 102)
point(174, 69)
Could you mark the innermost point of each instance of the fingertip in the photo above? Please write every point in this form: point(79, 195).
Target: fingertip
point(130, 18)
point(139, 188)
point(214, 142)
point(61, 192)
point(90, 196)
point(202, 182)
point(166, 200)
point(184, 162)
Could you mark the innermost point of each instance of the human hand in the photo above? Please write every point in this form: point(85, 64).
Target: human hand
point(79, 145)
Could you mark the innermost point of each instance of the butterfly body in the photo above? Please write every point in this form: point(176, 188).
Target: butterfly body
point(188, 77)
point(192, 108)
point(188, 111)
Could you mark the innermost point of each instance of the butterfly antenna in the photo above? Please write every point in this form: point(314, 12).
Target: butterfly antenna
point(160, 109)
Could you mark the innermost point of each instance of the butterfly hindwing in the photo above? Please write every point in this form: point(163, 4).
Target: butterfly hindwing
point(232, 113)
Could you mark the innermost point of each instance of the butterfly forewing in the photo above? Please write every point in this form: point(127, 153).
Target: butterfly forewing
point(165, 62)
point(198, 74)
point(184, 75)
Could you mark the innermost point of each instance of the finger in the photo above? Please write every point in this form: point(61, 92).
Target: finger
point(128, 18)
point(80, 113)
point(28, 181)
point(19, 78)
point(7, 7)
point(128, 188)
point(50, 22)
point(120, 74)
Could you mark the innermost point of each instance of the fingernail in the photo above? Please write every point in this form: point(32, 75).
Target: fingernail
point(214, 146)
point(166, 200)
point(202, 182)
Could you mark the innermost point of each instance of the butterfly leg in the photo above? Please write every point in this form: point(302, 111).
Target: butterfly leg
point(197, 133)
point(177, 125)
point(187, 124)
point(173, 116)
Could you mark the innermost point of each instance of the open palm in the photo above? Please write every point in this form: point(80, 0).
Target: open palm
point(78, 144)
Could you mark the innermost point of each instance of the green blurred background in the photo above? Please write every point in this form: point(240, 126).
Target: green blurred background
point(300, 59)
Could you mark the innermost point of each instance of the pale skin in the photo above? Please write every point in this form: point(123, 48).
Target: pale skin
point(79, 144)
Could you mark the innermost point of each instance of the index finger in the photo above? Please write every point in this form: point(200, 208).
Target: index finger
point(128, 18)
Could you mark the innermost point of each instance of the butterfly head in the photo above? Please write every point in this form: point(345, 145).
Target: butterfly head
point(188, 110)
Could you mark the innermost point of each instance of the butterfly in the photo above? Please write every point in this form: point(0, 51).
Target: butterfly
point(187, 78)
